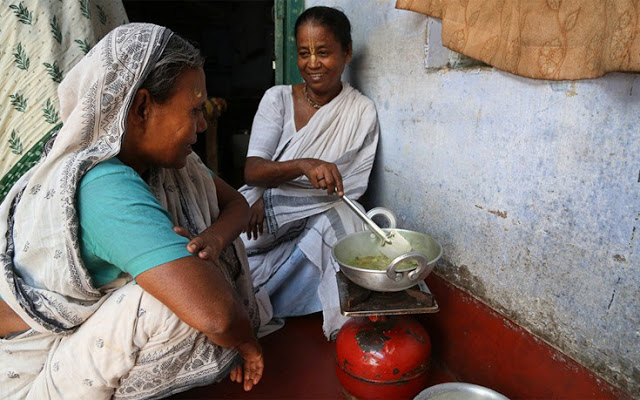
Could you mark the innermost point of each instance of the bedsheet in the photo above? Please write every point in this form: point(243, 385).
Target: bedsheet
point(40, 40)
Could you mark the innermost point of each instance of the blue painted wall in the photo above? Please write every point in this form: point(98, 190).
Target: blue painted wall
point(531, 186)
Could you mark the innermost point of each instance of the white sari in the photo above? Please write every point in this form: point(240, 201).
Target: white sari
point(345, 132)
point(115, 340)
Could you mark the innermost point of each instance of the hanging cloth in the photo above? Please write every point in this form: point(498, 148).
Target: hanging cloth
point(542, 39)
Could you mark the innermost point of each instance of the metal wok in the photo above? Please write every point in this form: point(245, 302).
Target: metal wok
point(396, 277)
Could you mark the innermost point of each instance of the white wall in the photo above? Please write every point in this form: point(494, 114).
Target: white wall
point(532, 187)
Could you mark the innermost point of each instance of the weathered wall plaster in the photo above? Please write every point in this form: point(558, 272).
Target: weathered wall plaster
point(532, 187)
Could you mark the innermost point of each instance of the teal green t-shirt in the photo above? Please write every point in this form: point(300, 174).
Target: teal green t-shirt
point(122, 225)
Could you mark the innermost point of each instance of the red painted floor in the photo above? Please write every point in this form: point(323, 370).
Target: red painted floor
point(470, 343)
point(299, 364)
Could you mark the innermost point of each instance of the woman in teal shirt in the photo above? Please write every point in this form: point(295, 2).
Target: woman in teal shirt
point(101, 297)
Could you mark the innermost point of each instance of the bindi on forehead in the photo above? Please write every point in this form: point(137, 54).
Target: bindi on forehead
point(315, 37)
point(310, 37)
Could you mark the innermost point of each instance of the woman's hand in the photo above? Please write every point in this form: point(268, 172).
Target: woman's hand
point(323, 175)
point(265, 173)
point(201, 297)
point(251, 371)
point(233, 217)
point(256, 219)
point(205, 249)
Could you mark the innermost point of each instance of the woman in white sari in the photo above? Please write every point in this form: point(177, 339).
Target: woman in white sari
point(310, 143)
point(101, 297)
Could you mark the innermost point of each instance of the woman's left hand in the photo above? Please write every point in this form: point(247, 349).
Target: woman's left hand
point(198, 245)
point(256, 220)
point(252, 369)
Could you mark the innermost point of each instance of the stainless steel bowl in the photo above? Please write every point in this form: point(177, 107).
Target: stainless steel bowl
point(425, 250)
point(459, 391)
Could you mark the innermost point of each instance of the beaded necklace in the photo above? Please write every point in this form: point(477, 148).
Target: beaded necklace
point(309, 100)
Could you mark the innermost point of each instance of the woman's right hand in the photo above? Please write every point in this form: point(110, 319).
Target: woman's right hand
point(269, 174)
point(256, 219)
point(251, 371)
point(323, 175)
point(207, 250)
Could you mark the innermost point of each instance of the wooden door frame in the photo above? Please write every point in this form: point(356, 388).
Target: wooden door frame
point(285, 14)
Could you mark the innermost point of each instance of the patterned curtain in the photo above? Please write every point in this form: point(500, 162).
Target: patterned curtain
point(40, 40)
point(543, 39)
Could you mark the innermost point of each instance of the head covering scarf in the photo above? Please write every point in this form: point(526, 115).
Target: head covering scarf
point(43, 276)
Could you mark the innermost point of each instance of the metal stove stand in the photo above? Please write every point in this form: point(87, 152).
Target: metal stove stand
point(356, 301)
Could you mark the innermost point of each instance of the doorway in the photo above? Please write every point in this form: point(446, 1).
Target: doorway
point(237, 39)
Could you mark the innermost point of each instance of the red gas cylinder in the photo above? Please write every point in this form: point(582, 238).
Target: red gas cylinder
point(384, 357)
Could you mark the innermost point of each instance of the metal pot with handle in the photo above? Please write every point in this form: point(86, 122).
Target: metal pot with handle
point(402, 272)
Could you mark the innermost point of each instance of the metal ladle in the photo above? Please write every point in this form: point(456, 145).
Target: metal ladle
point(393, 244)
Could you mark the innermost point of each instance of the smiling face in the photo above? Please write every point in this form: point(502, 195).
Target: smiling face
point(162, 133)
point(321, 58)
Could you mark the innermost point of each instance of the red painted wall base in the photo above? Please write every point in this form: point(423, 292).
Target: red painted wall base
point(477, 345)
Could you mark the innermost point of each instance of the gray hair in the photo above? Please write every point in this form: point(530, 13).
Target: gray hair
point(178, 55)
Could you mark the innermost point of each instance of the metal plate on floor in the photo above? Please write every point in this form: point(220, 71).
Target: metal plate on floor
point(356, 301)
